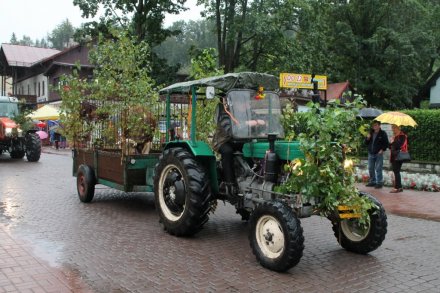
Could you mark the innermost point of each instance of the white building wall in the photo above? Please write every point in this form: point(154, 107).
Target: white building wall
point(30, 87)
point(435, 93)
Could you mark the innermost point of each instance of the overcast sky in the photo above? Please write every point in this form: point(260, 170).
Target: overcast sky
point(37, 18)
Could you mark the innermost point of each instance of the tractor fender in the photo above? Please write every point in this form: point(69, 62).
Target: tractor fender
point(203, 154)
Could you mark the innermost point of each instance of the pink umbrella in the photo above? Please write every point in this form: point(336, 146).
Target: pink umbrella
point(42, 134)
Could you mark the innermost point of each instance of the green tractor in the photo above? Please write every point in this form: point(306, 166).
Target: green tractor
point(187, 177)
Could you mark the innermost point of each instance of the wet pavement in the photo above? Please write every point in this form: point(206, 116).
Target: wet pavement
point(50, 242)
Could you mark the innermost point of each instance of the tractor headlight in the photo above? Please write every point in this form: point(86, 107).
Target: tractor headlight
point(13, 132)
point(8, 131)
point(348, 163)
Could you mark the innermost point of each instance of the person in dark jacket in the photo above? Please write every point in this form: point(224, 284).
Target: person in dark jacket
point(377, 141)
point(398, 142)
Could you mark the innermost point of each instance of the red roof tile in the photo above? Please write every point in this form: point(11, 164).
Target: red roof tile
point(25, 56)
point(335, 90)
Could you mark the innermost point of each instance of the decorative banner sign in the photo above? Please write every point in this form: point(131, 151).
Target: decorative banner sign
point(302, 81)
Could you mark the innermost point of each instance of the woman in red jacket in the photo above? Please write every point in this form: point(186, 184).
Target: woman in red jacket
point(397, 143)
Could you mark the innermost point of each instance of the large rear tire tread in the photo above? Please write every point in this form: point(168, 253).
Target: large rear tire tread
point(17, 154)
point(197, 196)
point(375, 236)
point(293, 236)
point(33, 147)
point(85, 183)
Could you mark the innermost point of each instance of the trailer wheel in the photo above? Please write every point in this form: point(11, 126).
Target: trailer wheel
point(85, 183)
point(33, 147)
point(276, 236)
point(362, 239)
point(182, 192)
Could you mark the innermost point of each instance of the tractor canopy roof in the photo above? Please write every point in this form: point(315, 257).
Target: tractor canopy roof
point(243, 80)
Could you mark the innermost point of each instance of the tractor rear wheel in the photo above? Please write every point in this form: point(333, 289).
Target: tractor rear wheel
point(85, 183)
point(276, 236)
point(182, 192)
point(33, 147)
point(362, 239)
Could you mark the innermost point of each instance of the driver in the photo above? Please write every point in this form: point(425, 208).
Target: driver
point(224, 144)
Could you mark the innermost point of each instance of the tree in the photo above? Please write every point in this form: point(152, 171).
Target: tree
point(62, 35)
point(251, 33)
point(193, 35)
point(143, 17)
point(122, 88)
point(388, 48)
point(229, 17)
point(13, 40)
point(26, 41)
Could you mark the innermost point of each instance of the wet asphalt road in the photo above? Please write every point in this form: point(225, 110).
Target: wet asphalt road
point(115, 244)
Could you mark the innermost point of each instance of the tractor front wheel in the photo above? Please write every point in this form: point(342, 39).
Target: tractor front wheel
point(33, 147)
point(362, 239)
point(182, 192)
point(276, 236)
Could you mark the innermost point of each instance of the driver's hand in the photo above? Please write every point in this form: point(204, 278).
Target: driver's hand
point(261, 122)
point(252, 123)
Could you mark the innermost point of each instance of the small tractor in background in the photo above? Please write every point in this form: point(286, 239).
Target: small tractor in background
point(12, 138)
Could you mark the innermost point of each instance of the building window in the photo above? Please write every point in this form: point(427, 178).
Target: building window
point(43, 87)
point(29, 89)
point(35, 88)
point(39, 87)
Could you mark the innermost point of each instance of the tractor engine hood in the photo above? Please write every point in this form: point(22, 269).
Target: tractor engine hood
point(7, 122)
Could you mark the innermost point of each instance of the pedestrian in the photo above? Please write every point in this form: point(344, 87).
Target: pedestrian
point(377, 141)
point(399, 142)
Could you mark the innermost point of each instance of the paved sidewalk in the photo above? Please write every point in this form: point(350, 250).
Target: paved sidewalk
point(409, 203)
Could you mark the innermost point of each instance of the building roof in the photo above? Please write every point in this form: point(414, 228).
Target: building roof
point(335, 90)
point(25, 56)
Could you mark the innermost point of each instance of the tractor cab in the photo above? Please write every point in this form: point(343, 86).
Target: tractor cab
point(8, 107)
point(254, 114)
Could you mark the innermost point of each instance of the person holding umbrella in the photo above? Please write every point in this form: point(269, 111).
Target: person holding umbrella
point(399, 142)
point(377, 141)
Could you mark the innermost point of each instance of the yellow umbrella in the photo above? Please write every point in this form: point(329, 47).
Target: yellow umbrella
point(397, 118)
point(46, 112)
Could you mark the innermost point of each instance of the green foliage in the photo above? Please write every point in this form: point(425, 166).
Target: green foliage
point(194, 35)
point(321, 174)
point(424, 140)
point(203, 65)
point(122, 87)
point(22, 118)
point(62, 35)
point(142, 18)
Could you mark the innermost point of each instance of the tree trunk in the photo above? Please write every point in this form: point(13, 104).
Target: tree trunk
point(221, 52)
point(229, 32)
point(238, 44)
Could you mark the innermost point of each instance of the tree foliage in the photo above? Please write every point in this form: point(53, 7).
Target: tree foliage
point(386, 49)
point(204, 64)
point(122, 87)
point(326, 140)
point(62, 35)
point(193, 36)
point(143, 17)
